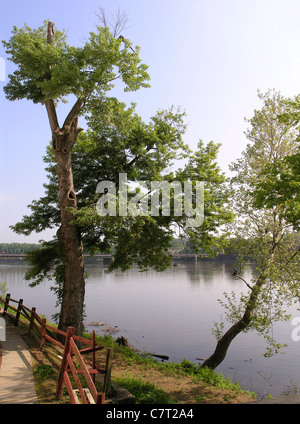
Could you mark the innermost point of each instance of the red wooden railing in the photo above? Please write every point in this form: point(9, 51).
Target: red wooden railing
point(88, 368)
point(89, 394)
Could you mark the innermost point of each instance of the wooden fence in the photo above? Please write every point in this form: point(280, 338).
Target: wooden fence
point(88, 369)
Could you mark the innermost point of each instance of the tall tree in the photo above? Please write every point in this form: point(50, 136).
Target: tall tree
point(50, 70)
point(263, 234)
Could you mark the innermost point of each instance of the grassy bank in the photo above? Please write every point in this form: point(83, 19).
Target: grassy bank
point(149, 380)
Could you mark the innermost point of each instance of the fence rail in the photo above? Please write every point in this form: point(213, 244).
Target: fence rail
point(88, 369)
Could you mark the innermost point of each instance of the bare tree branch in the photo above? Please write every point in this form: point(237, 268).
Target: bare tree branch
point(117, 24)
point(102, 17)
point(51, 111)
point(120, 20)
point(237, 276)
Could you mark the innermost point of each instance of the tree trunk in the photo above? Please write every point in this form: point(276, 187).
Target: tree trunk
point(63, 140)
point(223, 344)
point(69, 234)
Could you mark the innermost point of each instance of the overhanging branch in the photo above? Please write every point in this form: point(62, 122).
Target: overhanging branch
point(234, 273)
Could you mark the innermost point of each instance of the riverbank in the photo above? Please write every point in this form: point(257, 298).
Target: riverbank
point(148, 380)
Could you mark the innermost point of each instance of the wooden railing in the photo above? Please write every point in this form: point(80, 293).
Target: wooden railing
point(71, 353)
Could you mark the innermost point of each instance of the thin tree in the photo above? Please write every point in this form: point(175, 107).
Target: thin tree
point(262, 234)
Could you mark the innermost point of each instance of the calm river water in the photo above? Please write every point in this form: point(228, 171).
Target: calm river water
point(172, 313)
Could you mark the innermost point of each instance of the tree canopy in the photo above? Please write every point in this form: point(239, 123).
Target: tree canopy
point(55, 70)
point(280, 181)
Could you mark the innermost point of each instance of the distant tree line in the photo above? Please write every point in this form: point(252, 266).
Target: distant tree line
point(178, 245)
point(17, 247)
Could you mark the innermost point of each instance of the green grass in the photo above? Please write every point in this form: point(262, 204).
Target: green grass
point(183, 368)
point(144, 391)
point(43, 372)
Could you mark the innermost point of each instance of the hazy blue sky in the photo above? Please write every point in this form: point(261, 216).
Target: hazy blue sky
point(207, 56)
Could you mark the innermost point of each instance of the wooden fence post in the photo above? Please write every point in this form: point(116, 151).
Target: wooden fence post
point(43, 332)
point(100, 398)
point(93, 356)
point(31, 320)
point(64, 364)
point(6, 303)
point(20, 305)
point(108, 366)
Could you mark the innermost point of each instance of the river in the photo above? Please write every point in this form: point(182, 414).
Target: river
point(171, 313)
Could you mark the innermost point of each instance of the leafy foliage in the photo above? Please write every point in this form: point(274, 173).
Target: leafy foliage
point(56, 70)
point(280, 181)
point(281, 187)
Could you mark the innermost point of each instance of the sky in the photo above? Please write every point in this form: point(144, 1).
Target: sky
point(208, 57)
